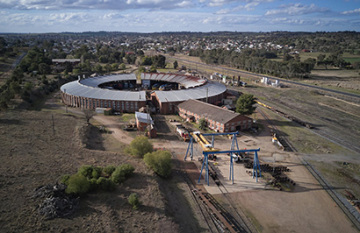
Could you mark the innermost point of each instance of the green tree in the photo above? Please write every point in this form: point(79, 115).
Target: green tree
point(160, 162)
point(134, 201)
point(140, 146)
point(122, 172)
point(153, 69)
point(78, 184)
point(202, 123)
point(44, 68)
point(114, 66)
point(176, 64)
point(245, 104)
point(122, 66)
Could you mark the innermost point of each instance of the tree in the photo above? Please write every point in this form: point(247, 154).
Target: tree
point(140, 146)
point(152, 69)
point(244, 104)
point(44, 68)
point(122, 66)
point(160, 162)
point(176, 64)
point(77, 184)
point(202, 123)
point(88, 113)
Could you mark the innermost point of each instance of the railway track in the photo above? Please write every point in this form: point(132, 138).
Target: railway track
point(352, 214)
point(217, 218)
point(254, 75)
point(284, 141)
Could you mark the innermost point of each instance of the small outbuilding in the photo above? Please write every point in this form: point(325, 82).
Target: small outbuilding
point(143, 120)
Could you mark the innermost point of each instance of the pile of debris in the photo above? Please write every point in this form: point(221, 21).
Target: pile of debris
point(56, 203)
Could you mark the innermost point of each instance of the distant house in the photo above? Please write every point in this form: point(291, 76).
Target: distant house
point(61, 64)
point(217, 118)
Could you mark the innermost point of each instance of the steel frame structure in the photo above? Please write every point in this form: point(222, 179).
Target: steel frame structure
point(234, 149)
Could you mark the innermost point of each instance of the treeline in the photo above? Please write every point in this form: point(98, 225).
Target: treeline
point(258, 61)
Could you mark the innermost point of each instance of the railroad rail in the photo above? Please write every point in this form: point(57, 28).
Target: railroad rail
point(216, 216)
point(261, 75)
point(352, 214)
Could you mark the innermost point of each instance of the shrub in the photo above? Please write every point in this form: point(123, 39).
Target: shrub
point(86, 171)
point(108, 170)
point(105, 184)
point(134, 201)
point(96, 172)
point(93, 184)
point(160, 162)
point(140, 146)
point(127, 169)
point(65, 179)
point(78, 184)
point(118, 176)
point(121, 173)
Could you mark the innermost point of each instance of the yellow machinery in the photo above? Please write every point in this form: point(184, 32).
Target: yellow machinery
point(206, 146)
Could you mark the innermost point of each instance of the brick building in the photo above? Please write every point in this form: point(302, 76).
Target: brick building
point(217, 118)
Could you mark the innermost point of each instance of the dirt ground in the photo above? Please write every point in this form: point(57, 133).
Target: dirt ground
point(307, 209)
point(38, 147)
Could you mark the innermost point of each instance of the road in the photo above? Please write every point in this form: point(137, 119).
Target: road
point(18, 60)
point(261, 75)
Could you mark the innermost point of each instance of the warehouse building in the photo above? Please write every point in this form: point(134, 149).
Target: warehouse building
point(218, 119)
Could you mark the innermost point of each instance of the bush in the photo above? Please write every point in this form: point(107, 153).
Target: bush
point(93, 184)
point(78, 184)
point(86, 171)
point(121, 173)
point(96, 172)
point(160, 162)
point(127, 169)
point(105, 184)
point(140, 146)
point(108, 170)
point(134, 201)
point(65, 179)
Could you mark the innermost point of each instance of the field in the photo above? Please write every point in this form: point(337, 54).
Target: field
point(38, 147)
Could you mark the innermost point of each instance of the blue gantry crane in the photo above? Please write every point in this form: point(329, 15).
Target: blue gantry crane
point(209, 149)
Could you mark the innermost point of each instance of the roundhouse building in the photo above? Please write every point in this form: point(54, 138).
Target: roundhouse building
point(113, 91)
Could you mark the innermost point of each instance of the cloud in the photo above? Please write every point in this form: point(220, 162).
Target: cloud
point(249, 6)
point(356, 11)
point(296, 9)
point(93, 4)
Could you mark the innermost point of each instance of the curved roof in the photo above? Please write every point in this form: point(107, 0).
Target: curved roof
point(89, 88)
point(184, 80)
point(197, 88)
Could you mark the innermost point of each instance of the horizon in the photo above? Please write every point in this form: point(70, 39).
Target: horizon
point(154, 16)
point(159, 32)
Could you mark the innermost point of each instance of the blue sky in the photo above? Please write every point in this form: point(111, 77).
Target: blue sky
point(178, 15)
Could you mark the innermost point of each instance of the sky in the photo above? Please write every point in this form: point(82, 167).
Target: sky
point(41, 16)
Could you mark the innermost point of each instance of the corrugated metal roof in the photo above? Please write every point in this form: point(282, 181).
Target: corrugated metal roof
point(210, 111)
point(210, 89)
point(184, 80)
point(76, 88)
point(144, 117)
point(89, 88)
